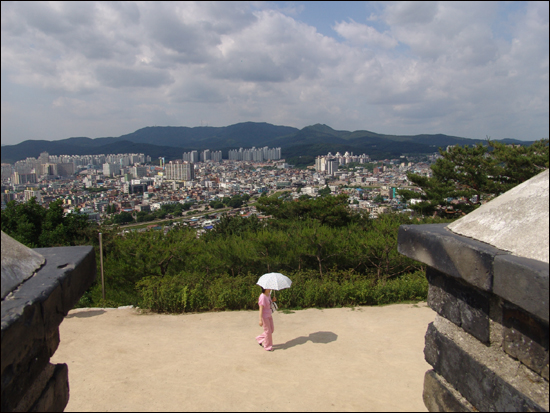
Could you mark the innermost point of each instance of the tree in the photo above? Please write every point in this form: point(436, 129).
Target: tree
point(216, 204)
point(123, 218)
point(233, 225)
point(324, 192)
point(468, 174)
point(330, 210)
point(377, 247)
point(236, 202)
point(35, 226)
point(270, 247)
point(23, 222)
point(322, 244)
point(150, 253)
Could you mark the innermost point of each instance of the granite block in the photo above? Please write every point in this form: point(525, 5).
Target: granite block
point(455, 255)
point(489, 379)
point(463, 304)
point(439, 396)
point(523, 282)
point(525, 338)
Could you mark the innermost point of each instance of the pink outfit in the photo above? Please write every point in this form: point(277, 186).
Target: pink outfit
point(266, 302)
point(266, 337)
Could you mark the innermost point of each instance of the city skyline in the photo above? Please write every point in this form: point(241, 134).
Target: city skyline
point(106, 69)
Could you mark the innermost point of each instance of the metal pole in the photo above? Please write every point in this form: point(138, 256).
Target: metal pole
point(101, 260)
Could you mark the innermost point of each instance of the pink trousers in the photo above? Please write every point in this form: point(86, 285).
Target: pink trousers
point(266, 337)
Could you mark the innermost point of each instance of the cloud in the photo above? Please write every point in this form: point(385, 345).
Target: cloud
point(467, 69)
point(119, 77)
point(361, 34)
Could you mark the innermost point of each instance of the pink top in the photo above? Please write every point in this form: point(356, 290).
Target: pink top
point(266, 302)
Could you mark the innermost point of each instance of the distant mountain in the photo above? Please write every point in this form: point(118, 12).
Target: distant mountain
point(171, 141)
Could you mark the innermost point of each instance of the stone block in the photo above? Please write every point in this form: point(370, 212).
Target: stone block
point(55, 395)
point(523, 282)
point(31, 315)
point(48, 393)
point(525, 338)
point(24, 352)
point(440, 396)
point(18, 264)
point(22, 329)
point(495, 321)
point(73, 268)
point(460, 303)
point(489, 379)
point(449, 253)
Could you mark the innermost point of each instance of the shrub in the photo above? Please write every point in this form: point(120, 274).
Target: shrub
point(190, 292)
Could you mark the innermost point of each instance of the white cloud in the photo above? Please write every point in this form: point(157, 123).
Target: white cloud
point(361, 34)
point(466, 69)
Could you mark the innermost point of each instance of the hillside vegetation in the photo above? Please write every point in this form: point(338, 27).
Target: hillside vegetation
point(315, 140)
point(334, 257)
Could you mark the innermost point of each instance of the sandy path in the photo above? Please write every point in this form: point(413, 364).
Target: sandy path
point(367, 359)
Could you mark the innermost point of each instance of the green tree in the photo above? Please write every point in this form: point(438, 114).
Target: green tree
point(270, 247)
point(236, 202)
point(123, 218)
point(324, 192)
point(35, 226)
point(23, 222)
point(377, 247)
point(216, 204)
point(330, 210)
point(322, 244)
point(233, 225)
point(469, 174)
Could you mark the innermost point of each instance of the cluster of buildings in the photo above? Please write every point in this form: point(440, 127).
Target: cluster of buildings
point(255, 155)
point(330, 163)
point(129, 182)
point(206, 155)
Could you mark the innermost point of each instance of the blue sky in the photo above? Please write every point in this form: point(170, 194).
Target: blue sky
point(470, 69)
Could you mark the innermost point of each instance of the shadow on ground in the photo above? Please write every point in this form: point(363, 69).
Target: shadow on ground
point(323, 337)
point(86, 314)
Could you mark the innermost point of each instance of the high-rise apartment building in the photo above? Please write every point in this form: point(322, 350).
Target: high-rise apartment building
point(254, 154)
point(216, 156)
point(33, 192)
point(332, 166)
point(19, 178)
point(65, 169)
point(44, 158)
point(138, 171)
point(205, 155)
point(321, 162)
point(179, 171)
point(111, 169)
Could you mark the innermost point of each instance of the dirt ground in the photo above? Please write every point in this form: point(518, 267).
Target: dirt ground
point(362, 359)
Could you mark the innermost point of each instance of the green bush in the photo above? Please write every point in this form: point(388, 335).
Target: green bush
point(187, 292)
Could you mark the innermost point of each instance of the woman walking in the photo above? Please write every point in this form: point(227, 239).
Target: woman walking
point(266, 320)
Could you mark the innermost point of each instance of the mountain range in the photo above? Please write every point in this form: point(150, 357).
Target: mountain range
point(171, 141)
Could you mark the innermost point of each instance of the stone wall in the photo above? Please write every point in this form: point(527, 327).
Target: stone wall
point(32, 311)
point(488, 345)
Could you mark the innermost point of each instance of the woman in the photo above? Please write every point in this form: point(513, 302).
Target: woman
point(266, 320)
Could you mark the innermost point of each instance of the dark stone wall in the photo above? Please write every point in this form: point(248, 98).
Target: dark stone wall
point(489, 343)
point(31, 315)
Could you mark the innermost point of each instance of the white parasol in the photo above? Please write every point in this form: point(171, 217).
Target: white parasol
point(274, 281)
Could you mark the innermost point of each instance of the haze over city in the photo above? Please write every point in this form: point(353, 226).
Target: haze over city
point(99, 69)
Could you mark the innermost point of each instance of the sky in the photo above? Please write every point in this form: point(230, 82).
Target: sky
point(97, 69)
